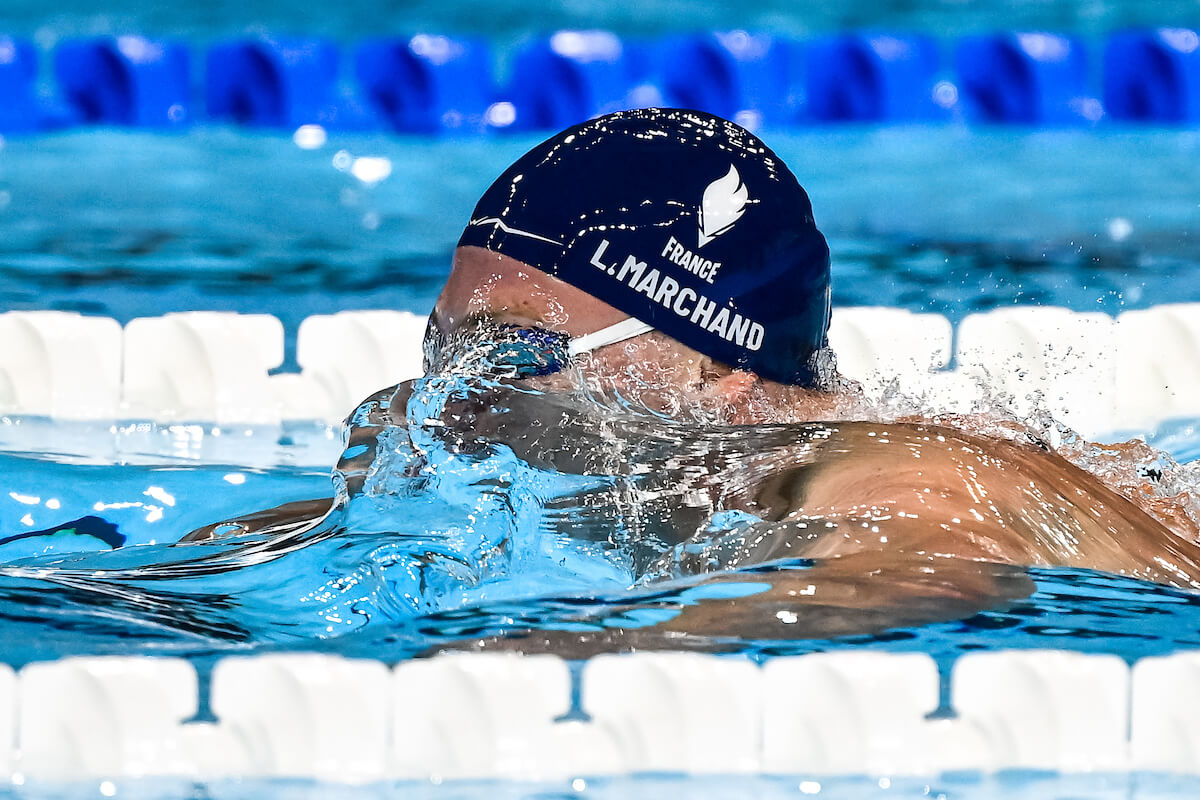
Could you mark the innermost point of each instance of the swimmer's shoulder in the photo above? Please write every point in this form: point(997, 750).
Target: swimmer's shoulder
point(952, 432)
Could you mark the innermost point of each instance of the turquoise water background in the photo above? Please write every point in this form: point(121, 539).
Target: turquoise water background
point(944, 218)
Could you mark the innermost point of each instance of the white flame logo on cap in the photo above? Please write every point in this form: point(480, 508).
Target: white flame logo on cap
point(723, 204)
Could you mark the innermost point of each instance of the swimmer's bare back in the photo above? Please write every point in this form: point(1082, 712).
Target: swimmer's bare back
point(907, 525)
point(929, 492)
point(831, 489)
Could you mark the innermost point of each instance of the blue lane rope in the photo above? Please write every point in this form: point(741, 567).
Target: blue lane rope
point(440, 85)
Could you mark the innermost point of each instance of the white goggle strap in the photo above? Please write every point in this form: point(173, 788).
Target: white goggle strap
point(625, 329)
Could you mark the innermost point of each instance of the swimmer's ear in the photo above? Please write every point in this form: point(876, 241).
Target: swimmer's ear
point(736, 386)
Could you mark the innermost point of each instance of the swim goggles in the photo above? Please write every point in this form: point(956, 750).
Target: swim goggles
point(537, 351)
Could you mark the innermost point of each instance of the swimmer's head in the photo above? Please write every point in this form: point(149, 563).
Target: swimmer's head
point(679, 219)
point(488, 293)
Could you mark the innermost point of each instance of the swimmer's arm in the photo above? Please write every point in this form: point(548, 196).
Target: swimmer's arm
point(288, 514)
point(368, 418)
point(858, 595)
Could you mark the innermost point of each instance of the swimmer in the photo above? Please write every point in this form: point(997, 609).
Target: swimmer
point(669, 261)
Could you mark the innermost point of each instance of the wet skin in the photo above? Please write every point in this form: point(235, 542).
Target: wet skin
point(906, 522)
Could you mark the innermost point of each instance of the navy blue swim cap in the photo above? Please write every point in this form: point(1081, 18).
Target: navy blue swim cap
point(681, 219)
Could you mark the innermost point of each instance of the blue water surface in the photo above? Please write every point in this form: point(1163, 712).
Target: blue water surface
point(123, 224)
point(445, 538)
point(943, 219)
point(940, 218)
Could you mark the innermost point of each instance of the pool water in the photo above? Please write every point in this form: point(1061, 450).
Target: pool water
point(447, 537)
point(943, 219)
point(122, 224)
point(440, 546)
